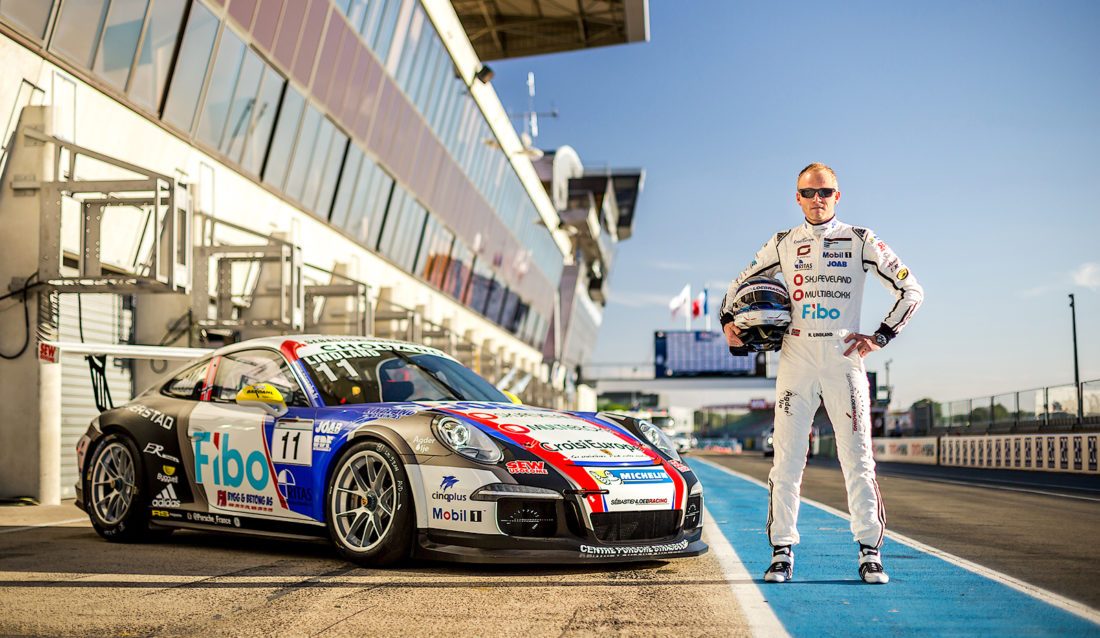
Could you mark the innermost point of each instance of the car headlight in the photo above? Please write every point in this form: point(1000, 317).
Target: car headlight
point(658, 439)
point(466, 440)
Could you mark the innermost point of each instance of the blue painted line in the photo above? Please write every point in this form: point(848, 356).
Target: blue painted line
point(926, 596)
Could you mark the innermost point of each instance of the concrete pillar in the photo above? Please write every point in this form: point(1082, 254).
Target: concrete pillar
point(30, 432)
point(154, 318)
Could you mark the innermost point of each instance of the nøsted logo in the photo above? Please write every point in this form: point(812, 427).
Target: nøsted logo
point(815, 311)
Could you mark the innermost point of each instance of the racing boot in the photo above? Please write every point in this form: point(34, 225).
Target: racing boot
point(870, 566)
point(782, 568)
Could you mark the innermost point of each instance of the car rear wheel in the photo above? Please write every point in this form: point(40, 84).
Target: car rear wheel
point(117, 499)
point(368, 506)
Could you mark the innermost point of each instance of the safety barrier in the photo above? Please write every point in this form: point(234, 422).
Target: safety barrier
point(1044, 452)
point(924, 449)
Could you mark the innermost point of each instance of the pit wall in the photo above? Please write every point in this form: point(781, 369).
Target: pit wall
point(1064, 452)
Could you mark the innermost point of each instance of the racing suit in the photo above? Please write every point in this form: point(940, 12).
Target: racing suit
point(824, 267)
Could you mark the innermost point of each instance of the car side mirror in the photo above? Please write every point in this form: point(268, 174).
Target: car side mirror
point(511, 397)
point(263, 396)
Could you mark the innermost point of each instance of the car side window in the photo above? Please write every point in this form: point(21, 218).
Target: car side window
point(188, 384)
point(240, 369)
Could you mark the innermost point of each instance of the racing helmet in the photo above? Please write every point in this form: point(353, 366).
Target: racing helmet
point(761, 310)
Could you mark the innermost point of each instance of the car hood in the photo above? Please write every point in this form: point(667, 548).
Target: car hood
point(562, 437)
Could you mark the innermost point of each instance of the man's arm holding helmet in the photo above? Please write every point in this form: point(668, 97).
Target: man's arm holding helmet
point(766, 262)
point(894, 275)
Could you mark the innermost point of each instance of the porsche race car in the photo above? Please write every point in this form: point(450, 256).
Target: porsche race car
point(391, 450)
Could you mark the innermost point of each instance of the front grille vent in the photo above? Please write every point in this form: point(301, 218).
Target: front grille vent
point(611, 527)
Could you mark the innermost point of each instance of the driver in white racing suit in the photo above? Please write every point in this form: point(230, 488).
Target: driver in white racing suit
point(824, 263)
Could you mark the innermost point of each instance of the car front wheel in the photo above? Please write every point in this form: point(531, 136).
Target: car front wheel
point(368, 506)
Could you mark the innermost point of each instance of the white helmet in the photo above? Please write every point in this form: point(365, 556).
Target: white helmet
point(761, 311)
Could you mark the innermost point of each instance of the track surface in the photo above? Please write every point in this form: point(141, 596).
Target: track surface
point(62, 579)
point(1042, 528)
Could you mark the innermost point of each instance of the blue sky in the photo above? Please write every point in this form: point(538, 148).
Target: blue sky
point(965, 134)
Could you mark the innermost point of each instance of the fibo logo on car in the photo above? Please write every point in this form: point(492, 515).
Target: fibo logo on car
point(228, 464)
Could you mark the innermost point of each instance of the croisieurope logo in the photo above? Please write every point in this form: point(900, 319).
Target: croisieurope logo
point(817, 311)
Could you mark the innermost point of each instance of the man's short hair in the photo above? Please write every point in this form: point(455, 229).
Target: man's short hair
point(815, 167)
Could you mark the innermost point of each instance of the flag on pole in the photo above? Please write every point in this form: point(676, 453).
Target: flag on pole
point(699, 305)
point(681, 302)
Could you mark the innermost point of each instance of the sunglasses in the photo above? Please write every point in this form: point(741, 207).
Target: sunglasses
point(809, 193)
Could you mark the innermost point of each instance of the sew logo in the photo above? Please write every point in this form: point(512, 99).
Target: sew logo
point(228, 465)
point(815, 311)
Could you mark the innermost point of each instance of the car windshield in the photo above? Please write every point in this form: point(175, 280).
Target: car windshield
point(393, 376)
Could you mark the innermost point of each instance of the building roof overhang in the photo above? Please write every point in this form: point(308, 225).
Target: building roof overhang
point(501, 29)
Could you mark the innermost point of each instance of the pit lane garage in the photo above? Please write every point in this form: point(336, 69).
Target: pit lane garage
point(391, 450)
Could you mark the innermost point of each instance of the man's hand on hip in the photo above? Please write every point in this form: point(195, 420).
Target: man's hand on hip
point(731, 335)
point(864, 344)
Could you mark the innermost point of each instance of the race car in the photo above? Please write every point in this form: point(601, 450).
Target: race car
point(391, 450)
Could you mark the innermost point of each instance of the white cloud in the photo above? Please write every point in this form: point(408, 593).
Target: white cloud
point(1088, 275)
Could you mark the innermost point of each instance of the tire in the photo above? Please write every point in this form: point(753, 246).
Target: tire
point(369, 507)
point(117, 497)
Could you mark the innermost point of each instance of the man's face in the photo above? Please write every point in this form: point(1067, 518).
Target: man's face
point(817, 209)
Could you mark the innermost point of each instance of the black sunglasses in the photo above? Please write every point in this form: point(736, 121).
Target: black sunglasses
point(809, 193)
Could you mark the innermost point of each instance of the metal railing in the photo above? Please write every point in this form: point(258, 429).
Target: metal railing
point(1052, 408)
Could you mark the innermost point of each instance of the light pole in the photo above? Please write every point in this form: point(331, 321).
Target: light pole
point(1076, 370)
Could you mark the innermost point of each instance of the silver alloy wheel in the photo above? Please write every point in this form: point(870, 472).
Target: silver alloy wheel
point(113, 483)
point(363, 500)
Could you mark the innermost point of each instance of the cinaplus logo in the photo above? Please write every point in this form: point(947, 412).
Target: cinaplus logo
point(443, 495)
point(817, 311)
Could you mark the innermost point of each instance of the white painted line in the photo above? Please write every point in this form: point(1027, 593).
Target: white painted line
point(1072, 606)
point(21, 529)
point(762, 620)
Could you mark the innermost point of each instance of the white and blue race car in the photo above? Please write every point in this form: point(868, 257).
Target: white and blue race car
point(391, 450)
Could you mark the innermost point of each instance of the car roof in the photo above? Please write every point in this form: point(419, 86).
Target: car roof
point(276, 343)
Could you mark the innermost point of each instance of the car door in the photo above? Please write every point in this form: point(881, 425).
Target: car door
point(247, 460)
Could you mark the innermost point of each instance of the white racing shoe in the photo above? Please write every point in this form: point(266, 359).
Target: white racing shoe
point(870, 566)
point(782, 567)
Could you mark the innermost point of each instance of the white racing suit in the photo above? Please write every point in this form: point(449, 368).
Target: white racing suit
point(824, 267)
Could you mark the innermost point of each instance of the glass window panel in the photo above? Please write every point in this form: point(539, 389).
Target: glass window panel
point(435, 251)
point(151, 72)
point(379, 188)
point(32, 16)
point(388, 24)
point(371, 20)
point(342, 5)
point(332, 171)
point(410, 51)
point(303, 152)
point(458, 272)
point(316, 167)
point(78, 29)
point(357, 12)
point(194, 56)
point(263, 120)
point(508, 312)
point(349, 183)
point(519, 322)
point(480, 283)
point(219, 93)
point(119, 41)
point(283, 143)
point(242, 108)
point(496, 300)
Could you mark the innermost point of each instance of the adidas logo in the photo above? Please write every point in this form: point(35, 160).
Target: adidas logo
point(166, 498)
